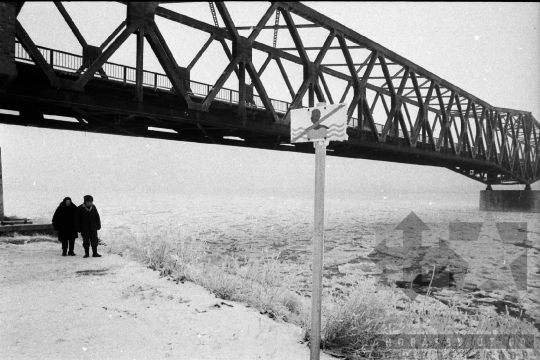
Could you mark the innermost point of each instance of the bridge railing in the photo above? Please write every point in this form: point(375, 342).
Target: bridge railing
point(64, 61)
point(72, 63)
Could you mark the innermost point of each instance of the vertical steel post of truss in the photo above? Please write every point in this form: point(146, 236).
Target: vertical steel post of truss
point(424, 133)
point(139, 66)
point(360, 116)
point(311, 95)
point(488, 134)
point(242, 89)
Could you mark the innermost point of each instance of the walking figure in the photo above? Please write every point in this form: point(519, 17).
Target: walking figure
point(88, 223)
point(64, 222)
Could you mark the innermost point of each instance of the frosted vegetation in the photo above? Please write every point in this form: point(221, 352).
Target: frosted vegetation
point(354, 323)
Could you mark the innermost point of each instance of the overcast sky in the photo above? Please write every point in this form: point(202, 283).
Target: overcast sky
point(491, 50)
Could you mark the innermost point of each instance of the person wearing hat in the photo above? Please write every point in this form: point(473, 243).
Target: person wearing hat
point(88, 223)
point(64, 222)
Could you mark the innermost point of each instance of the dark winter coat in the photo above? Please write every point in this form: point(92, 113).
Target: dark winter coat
point(64, 221)
point(87, 221)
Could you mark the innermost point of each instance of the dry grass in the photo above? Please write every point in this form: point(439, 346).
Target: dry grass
point(256, 282)
point(355, 326)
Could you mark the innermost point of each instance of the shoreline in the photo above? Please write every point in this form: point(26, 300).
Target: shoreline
point(56, 307)
point(158, 253)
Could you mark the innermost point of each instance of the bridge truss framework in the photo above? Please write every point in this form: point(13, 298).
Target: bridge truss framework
point(426, 120)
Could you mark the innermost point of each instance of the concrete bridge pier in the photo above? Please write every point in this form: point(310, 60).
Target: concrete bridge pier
point(526, 200)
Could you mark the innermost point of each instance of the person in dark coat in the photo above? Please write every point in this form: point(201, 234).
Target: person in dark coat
point(64, 222)
point(88, 223)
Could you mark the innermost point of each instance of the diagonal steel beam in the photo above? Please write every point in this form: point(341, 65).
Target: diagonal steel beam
point(386, 108)
point(528, 135)
point(295, 36)
point(422, 117)
point(297, 100)
point(355, 80)
point(369, 69)
point(350, 82)
point(395, 76)
point(326, 89)
point(515, 127)
point(167, 62)
point(408, 116)
point(403, 126)
point(464, 124)
point(490, 138)
point(324, 21)
point(113, 35)
point(445, 111)
point(285, 77)
point(105, 55)
point(264, 65)
point(222, 33)
point(229, 56)
point(219, 83)
point(419, 87)
point(261, 91)
point(324, 49)
point(504, 134)
point(396, 102)
point(360, 92)
point(229, 24)
point(71, 24)
point(262, 22)
point(201, 52)
point(371, 122)
point(486, 140)
point(479, 122)
point(327, 24)
point(35, 54)
point(377, 96)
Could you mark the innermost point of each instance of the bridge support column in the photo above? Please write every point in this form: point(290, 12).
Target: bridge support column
point(510, 200)
point(8, 70)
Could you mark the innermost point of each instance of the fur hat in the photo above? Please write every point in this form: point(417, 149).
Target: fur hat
point(88, 198)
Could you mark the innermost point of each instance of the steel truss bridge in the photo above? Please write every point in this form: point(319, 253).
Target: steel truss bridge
point(397, 112)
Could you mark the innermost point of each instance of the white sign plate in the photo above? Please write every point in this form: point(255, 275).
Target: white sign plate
point(324, 122)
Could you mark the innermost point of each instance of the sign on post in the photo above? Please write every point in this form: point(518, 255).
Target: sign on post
point(324, 122)
point(320, 125)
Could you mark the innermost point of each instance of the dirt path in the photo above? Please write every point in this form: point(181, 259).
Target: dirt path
point(54, 307)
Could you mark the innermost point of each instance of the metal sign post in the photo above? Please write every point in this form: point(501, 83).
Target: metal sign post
point(318, 249)
point(318, 125)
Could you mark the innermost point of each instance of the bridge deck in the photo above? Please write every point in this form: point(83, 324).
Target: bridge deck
point(72, 64)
